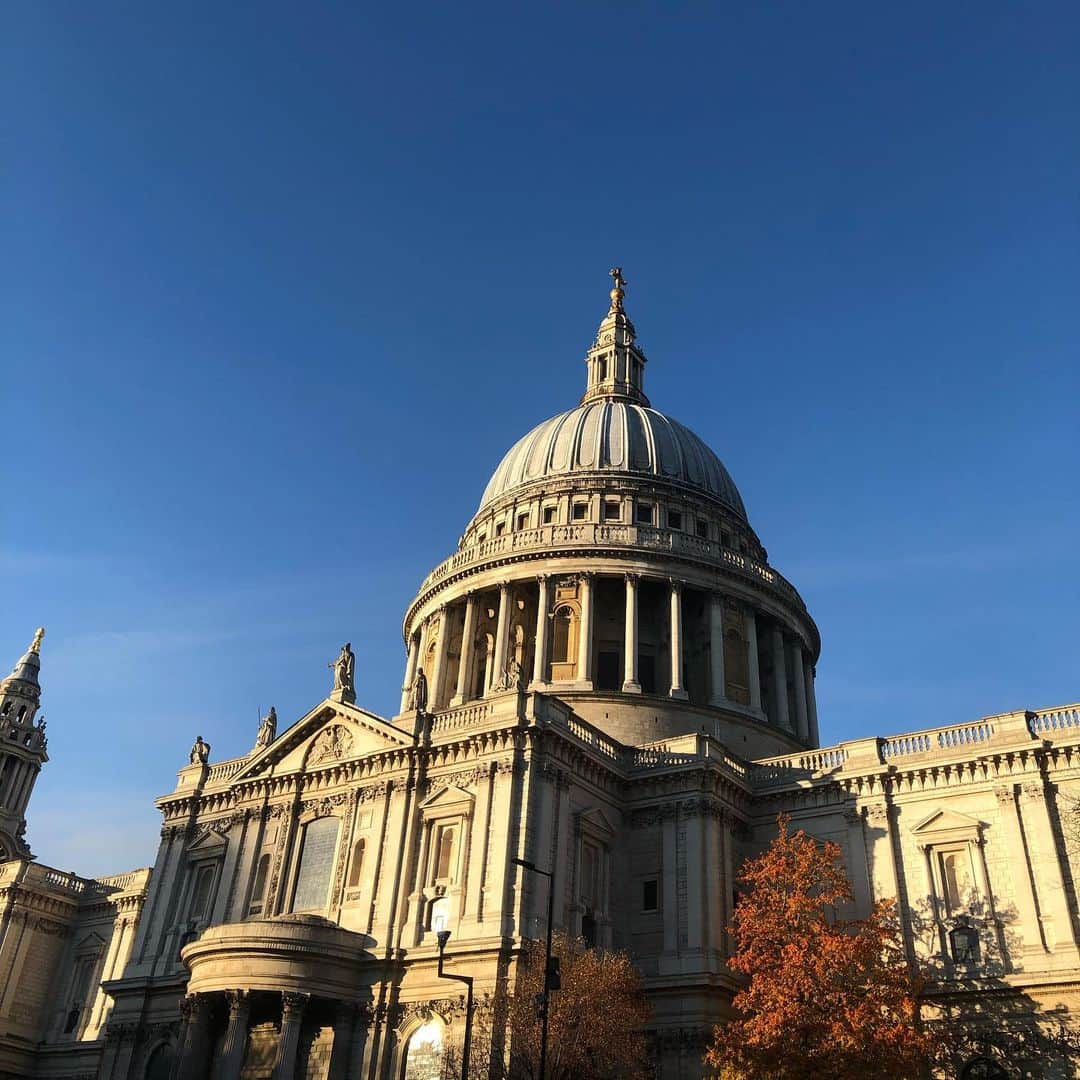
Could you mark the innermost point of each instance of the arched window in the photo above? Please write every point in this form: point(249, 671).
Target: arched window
point(439, 914)
point(22, 713)
point(564, 635)
point(6, 709)
point(983, 1068)
point(316, 862)
point(258, 892)
point(357, 864)
point(159, 1064)
point(424, 1057)
point(444, 853)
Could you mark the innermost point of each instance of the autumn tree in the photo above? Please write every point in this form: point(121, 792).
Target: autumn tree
point(826, 996)
point(594, 1026)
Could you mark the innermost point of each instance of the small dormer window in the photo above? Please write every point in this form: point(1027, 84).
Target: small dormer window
point(549, 515)
point(725, 539)
point(523, 521)
point(581, 511)
point(701, 528)
point(612, 510)
point(644, 513)
point(500, 528)
point(674, 519)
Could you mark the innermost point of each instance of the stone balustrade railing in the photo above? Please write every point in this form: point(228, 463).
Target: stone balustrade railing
point(1005, 729)
point(464, 716)
point(591, 534)
point(222, 771)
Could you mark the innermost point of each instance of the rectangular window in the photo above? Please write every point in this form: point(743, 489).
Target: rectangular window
point(674, 519)
point(549, 515)
point(522, 521)
point(725, 539)
point(650, 895)
point(316, 862)
point(644, 513)
point(701, 528)
point(581, 511)
point(612, 510)
point(500, 528)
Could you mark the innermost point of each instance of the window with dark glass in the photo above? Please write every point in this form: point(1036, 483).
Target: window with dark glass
point(612, 510)
point(701, 528)
point(643, 514)
point(581, 511)
point(674, 519)
point(522, 521)
point(650, 895)
point(549, 515)
point(500, 528)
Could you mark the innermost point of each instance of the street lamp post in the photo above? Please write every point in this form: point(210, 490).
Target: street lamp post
point(443, 937)
point(526, 865)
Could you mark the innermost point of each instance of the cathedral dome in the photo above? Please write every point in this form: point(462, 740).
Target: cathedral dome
point(610, 435)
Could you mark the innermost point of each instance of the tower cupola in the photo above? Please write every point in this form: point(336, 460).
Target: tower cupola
point(616, 365)
point(23, 747)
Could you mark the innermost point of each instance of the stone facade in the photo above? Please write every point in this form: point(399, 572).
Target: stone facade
point(607, 680)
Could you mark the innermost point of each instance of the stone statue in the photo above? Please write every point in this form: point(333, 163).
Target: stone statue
point(267, 729)
point(510, 678)
point(200, 752)
point(418, 698)
point(344, 668)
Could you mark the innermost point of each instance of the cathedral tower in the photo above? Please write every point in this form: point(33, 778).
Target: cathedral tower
point(22, 748)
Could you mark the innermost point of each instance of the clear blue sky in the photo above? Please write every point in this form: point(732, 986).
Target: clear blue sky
point(282, 282)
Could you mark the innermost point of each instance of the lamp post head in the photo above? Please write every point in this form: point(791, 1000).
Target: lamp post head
point(443, 936)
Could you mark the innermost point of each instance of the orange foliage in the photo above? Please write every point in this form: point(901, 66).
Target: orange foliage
point(827, 997)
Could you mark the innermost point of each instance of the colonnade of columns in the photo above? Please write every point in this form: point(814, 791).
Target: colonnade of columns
point(792, 705)
point(196, 1037)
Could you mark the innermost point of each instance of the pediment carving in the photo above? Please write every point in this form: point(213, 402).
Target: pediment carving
point(330, 744)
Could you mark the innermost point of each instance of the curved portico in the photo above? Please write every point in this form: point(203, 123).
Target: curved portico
point(259, 988)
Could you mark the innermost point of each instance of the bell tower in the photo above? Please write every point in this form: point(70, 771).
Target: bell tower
point(22, 748)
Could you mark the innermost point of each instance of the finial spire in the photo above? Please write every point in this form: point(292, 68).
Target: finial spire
point(615, 363)
point(618, 292)
point(35, 645)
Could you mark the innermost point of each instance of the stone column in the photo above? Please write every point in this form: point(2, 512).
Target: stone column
point(498, 665)
point(345, 1018)
point(232, 1049)
point(716, 649)
point(630, 673)
point(811, 701)
point(540, 653)
point(1028, 922)
point(195, 1047)
point(1046, 867)
point(677, 688)
point(442, 647)
point(292, 1014)
point(585, 649)
point(465, 663)
point(801, 716)
point(410, 670)
point(781, 718)
point(752, 663)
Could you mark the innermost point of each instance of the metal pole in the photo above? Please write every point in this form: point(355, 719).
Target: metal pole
point(468, 981)
point(547, 973)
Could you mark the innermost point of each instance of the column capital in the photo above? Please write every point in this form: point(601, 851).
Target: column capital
point(543, 578)
point(675, 583)
point(238, 1000)
point(631, 578)
point(1004, 795)
point(293, 1003)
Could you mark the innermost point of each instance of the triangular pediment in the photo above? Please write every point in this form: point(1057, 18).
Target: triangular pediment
point(448, 796)
point(945, 824)
point(596, 821)
point(210, 840)
point(331, 732)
